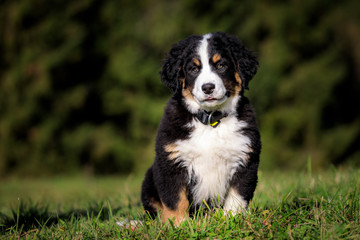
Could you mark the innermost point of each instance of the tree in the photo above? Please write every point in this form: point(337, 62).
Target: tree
point(79, 84)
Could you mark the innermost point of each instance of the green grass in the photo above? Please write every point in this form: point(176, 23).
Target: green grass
point(287, 205)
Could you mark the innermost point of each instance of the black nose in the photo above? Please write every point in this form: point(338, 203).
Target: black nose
point(208, 88)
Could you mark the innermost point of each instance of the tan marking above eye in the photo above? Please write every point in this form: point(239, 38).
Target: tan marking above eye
point(196, 61)
point(216, 57)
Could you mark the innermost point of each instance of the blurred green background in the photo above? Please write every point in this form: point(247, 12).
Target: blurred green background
point(80, 90)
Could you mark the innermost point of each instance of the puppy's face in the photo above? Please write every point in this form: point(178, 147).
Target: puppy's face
point(209, 77)
point(208, 70)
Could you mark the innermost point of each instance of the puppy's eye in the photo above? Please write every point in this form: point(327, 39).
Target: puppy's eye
point(220, 66)
point(195, 69)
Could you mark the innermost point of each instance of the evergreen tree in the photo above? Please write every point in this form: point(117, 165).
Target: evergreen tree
point(79, 84)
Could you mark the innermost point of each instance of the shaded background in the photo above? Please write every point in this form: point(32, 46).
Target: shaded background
point(80, 90)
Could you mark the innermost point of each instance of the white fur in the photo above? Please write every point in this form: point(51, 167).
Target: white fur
point(208, 76)
point(234, 203)
point(212, 155)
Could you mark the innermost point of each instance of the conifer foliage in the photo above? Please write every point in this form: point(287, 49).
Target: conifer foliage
point(79, 84)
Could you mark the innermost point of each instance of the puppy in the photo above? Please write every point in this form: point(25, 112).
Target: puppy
point(208, 143)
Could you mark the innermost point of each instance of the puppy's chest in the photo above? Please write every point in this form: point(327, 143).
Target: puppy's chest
point(212, 156)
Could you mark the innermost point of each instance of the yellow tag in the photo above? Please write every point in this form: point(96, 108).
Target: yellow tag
point(214, 124)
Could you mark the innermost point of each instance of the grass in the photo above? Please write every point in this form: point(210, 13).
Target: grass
point(287, 205)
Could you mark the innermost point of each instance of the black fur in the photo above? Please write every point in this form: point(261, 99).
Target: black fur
point(243, 59)
point(174, 63)
point(166, 178)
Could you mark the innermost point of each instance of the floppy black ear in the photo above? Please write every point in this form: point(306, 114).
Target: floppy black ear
point(244, 60)
point(171, 68)
point(173, 64)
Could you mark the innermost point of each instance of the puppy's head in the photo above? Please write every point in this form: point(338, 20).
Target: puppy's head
point(209, 71)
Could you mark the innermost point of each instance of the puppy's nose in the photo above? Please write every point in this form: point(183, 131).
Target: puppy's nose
point(208, 88)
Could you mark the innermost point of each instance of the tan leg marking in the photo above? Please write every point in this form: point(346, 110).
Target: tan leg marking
point(180, 213)
point(156, 204)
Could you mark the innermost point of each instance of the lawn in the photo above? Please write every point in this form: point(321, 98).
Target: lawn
point(287, 205)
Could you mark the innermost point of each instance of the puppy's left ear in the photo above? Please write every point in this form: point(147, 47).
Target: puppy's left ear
point(244, 60)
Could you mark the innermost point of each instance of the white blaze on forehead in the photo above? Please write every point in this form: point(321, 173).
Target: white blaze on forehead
point(203, 52)
point(207, 75)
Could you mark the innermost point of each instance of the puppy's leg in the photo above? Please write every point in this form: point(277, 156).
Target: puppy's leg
point(149, 195)
point(170, 180)
point(234, 202)
point(170, 201)
point(242, 187)
point(179, 212)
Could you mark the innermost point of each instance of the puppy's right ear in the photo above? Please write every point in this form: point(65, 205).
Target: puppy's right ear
point(171, 69)
point(174, 62)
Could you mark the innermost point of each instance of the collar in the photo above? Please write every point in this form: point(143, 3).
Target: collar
point(210, 118)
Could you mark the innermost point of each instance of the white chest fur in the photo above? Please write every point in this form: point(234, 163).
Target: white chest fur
point(212, 156)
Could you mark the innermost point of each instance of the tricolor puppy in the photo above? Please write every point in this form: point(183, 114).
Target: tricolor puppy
point(208, 143)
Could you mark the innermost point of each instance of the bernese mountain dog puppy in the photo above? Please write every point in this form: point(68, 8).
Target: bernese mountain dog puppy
point(208, 143)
